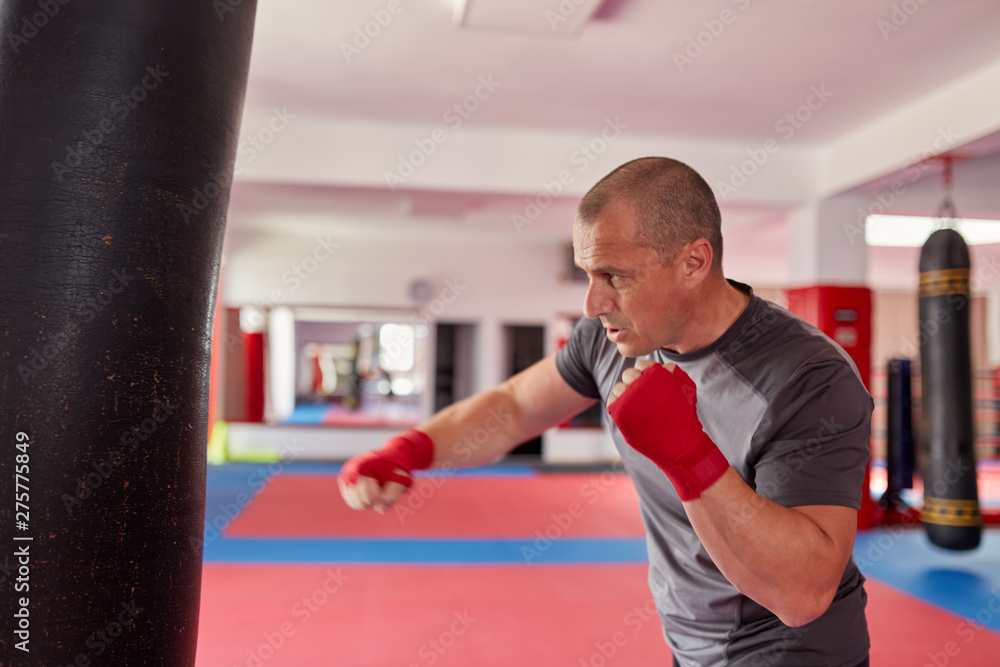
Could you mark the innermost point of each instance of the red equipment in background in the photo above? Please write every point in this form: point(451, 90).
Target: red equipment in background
point(845, 315)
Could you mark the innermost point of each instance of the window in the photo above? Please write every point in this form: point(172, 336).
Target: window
point(396, 349)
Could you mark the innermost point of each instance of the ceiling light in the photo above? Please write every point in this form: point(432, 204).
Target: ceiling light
point(905, 231)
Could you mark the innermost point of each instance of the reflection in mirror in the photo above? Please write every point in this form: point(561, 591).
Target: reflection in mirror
point(348, 367)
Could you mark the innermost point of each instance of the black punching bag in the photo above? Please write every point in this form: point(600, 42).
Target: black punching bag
point(899, 435)
point(119, 122)
point(951, 499)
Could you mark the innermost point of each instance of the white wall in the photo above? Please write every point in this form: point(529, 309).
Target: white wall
point(489, 279)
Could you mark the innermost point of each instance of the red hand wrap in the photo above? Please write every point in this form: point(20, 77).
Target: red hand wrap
point(412, 450)
point(656, 415)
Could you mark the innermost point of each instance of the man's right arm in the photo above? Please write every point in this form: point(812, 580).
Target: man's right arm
point(483, 427)
point(521, 408)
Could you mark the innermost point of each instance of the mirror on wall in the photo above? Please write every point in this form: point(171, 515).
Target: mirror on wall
point(333, 366)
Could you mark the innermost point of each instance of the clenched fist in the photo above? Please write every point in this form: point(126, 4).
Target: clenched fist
point(378, 478)
point(654, 409)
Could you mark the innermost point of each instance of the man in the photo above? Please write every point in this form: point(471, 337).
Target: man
point(744, 429)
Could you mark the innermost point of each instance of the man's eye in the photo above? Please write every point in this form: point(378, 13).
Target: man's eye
point(614, 277)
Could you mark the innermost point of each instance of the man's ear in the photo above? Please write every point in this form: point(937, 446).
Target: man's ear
point(697, 257)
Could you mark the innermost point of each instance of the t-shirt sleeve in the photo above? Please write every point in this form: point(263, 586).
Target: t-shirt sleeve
point(820, 444)
point(576, 361)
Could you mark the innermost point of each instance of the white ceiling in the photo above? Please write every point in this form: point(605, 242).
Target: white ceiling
point(895, 82)
point(762, 64)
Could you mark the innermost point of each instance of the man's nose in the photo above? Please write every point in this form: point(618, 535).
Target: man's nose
point(597, 302)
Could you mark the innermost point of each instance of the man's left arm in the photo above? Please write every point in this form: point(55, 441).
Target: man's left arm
point(787, 559)
point(787, 554)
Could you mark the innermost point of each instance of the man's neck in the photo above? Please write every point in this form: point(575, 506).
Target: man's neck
point(716, 309)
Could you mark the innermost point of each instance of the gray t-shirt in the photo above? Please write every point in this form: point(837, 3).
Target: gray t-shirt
point(787, 408)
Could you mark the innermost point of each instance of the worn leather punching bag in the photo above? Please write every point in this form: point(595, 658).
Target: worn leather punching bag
point(950, 513)
point(119, 123)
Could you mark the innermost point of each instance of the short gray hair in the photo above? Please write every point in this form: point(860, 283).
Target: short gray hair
point(672, 203)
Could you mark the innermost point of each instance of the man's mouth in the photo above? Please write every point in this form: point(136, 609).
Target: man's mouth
point(611, 327)
point(614, 333)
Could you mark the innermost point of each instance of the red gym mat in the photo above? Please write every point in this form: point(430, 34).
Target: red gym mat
point(598, 505)
point(449, 617)
point(908, 631)
point(459, 616)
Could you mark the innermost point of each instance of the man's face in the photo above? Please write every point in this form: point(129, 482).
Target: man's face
point(640, 301)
